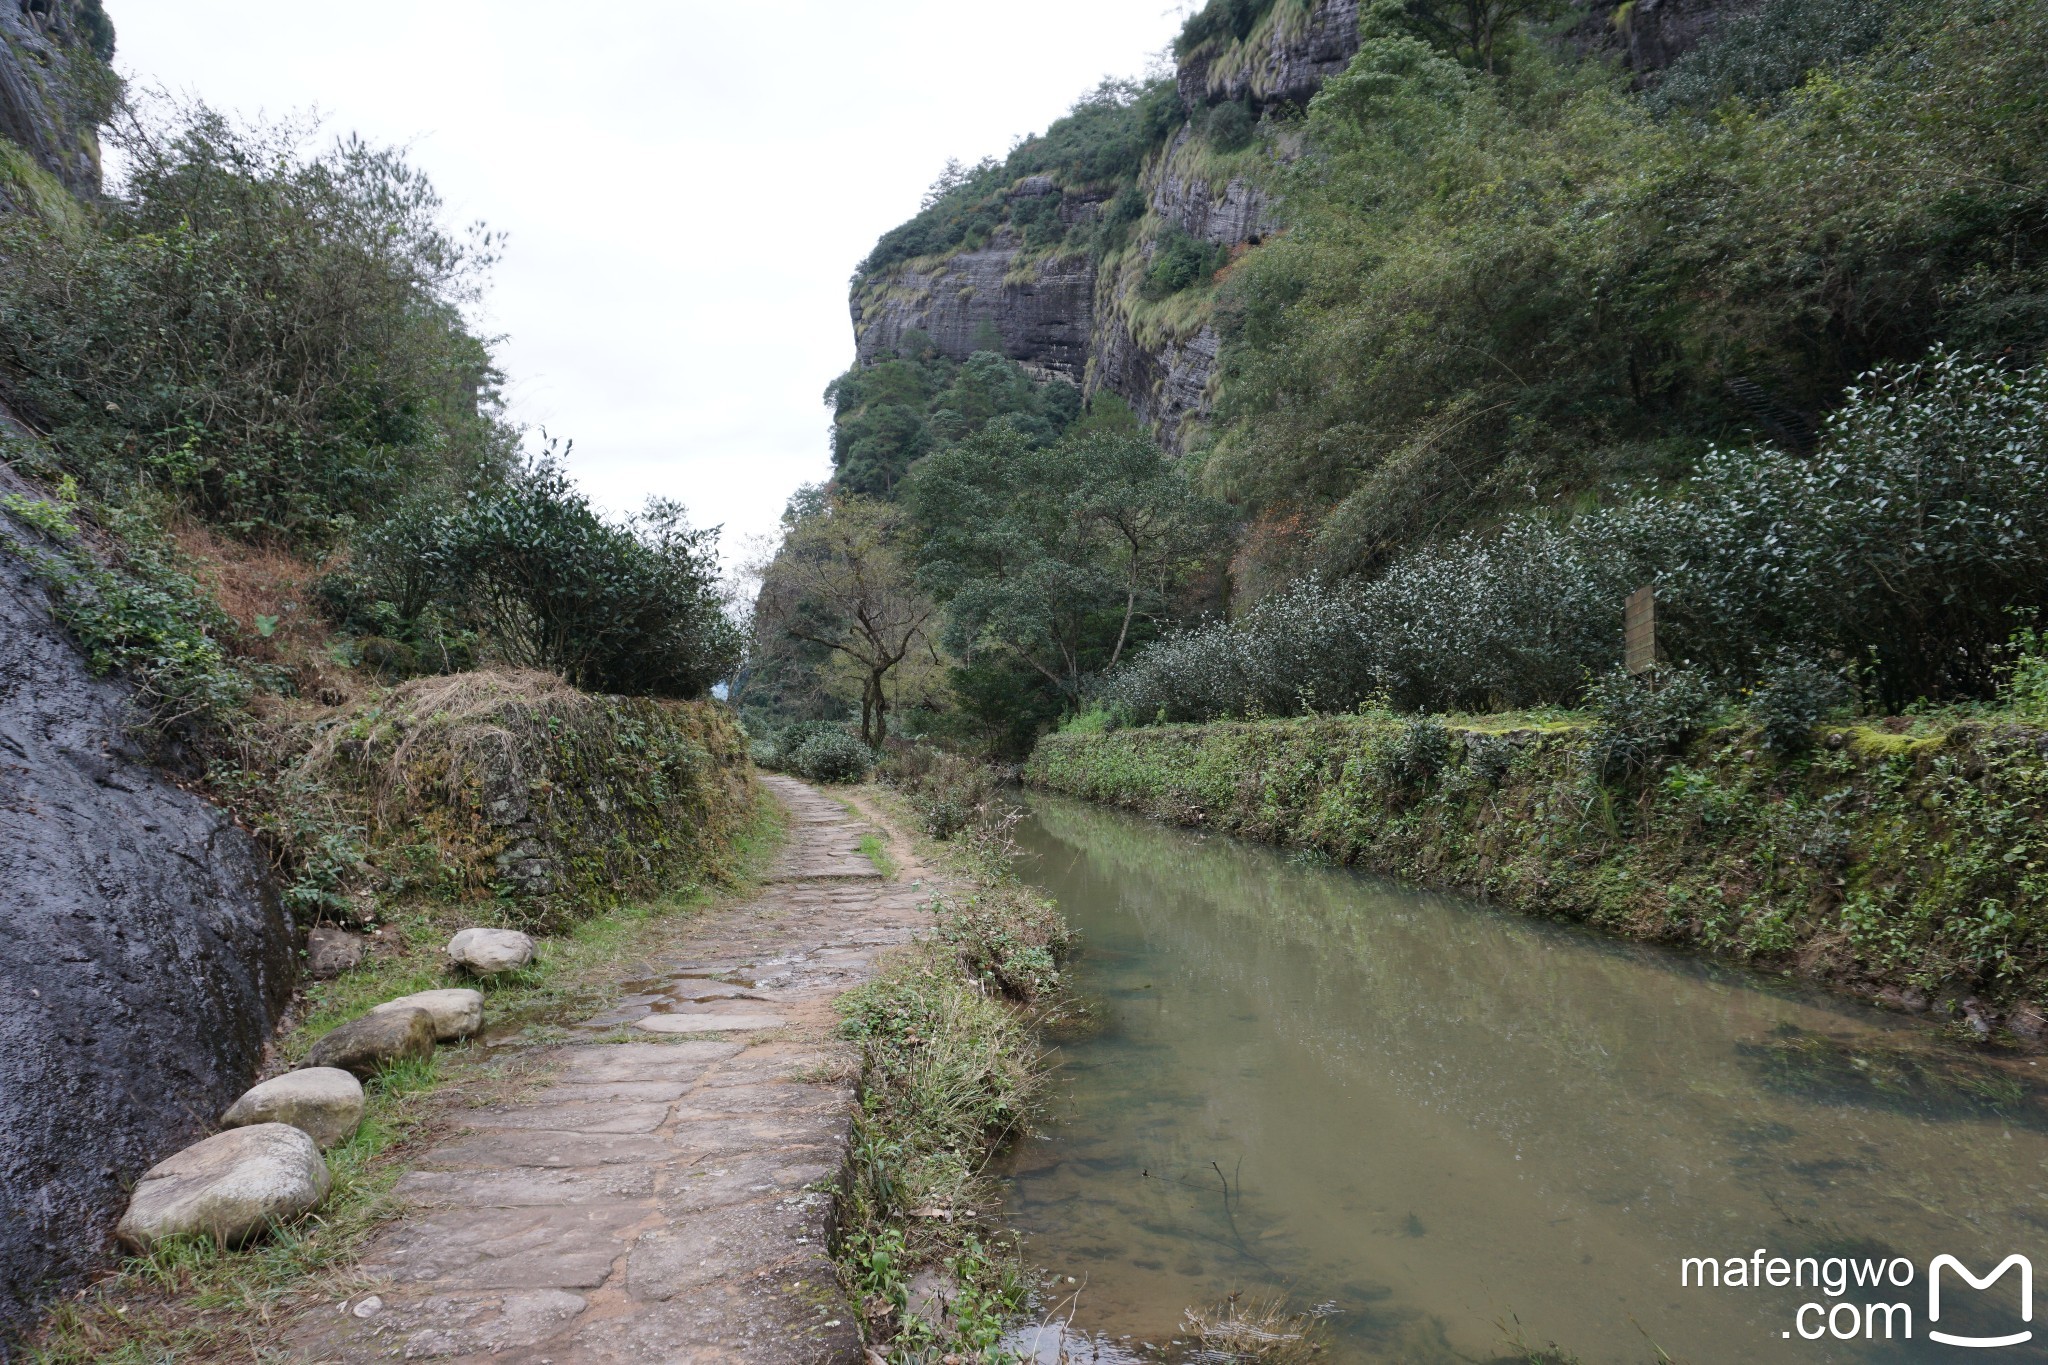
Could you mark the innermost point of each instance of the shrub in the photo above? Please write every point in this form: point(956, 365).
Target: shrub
point(274, 338)
point(1230, 126)
point(1419, 751)
point(1793, 694)
point(628, 608)
point(950, 792)
point(1180, 261)
point(832, 754)
point(1642, 721)
point(2024, 686)
point(1905, 541)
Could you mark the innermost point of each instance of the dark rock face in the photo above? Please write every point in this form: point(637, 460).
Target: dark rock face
point(144, 959)
point(1167, 387)
point(52, 91)
point(1237, 211)
point(979, 301)
point(1291, 68)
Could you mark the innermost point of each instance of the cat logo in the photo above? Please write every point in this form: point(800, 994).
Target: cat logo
point(1934, 1298)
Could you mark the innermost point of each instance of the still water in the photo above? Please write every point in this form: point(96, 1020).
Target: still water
point(1453, 1124)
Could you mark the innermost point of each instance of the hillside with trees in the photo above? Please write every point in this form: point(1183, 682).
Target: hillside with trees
point(1534, 324)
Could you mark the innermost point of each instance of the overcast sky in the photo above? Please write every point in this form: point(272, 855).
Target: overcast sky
point(687, 186)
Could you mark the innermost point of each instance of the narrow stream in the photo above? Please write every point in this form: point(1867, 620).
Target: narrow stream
point(1452, 1124)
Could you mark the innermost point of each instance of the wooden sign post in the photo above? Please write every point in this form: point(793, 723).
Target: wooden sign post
point(1639, 631)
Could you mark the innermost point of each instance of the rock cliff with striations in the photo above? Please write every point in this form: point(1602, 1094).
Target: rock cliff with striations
point(1078, 316)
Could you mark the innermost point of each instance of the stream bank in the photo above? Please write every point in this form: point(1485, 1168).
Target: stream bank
point(1896, 861)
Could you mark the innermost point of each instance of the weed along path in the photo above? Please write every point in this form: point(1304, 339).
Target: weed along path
point(661, 1192)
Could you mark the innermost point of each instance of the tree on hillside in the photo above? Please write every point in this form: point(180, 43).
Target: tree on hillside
point(840, 582)
point(1470, 30)
point(1050, 555)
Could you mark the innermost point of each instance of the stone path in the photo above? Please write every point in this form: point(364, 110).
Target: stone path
point(659, 1200)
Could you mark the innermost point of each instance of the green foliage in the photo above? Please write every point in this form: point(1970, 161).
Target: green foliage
point(2024, 685)
point(1771, 49)
point(1793, 695)
point(1642, 721)
point(144, 617)
point(1181, 261)
point(1499, 290)
point(831, 754)
point(97, 27)
point(1099, 145)
point(526, 563)
point(889, 415)
point(1058, 556)
point(1901, 544)
point(948, 1076)
point(1230, 126)
point(949, 792)
point(1420, 751)
point(630, 608)
point(272, 337)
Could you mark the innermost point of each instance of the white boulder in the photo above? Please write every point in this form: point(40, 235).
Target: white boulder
point(323, 1102)
point(457, 1013)
point(229, 1187)
point(490, 951)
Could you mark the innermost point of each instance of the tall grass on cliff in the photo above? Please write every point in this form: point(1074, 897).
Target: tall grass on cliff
point(1902, 550)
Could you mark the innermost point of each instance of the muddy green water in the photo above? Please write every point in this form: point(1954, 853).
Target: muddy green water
point(1452, 1123)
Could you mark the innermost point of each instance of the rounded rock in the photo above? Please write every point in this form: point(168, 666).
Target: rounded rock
point(323, 1102)
point(457, 1013)
point(490, 951)
point(367, 1045)
point(229, 1187)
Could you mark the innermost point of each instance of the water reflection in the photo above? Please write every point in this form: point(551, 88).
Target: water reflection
point(1459, 1125)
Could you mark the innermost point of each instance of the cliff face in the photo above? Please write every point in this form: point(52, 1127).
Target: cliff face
point(144, 958)
point(1083, 316)
point(1283, 62)
point(55, 89)
point(144, 955)
point(1080, 316)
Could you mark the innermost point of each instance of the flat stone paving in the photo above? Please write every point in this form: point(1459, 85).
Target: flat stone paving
point(657, 1200)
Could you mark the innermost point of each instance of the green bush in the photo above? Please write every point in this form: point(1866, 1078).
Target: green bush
point(1180, 261)
point(629, 608)
point(1903, 543)
point(1230, 126)
point(1794, 694)
point(1641, 721)
point(274, 338)
point(831, 754)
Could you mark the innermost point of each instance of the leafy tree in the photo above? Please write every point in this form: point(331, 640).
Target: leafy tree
point(840, 582)
point(1474, 31)
point(1050, 554)
point(631, 609)
point(889, 415)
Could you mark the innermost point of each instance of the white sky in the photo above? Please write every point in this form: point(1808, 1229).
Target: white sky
point(687, 185)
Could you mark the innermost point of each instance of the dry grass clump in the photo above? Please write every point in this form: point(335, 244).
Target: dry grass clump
point(1253, 1329)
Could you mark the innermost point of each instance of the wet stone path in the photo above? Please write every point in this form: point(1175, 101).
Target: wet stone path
point(665, 1199)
